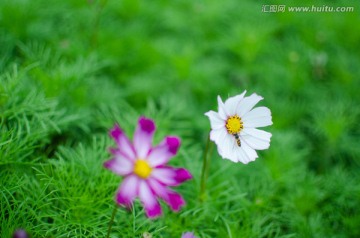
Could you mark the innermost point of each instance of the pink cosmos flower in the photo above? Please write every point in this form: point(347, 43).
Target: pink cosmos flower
point(20, 233)
point(188, 235)
point(144, 168)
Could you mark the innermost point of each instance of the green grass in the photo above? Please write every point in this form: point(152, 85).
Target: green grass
point(69, 70)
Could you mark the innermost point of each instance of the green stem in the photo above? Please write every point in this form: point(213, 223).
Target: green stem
point(204, 171)
point(94, 36)
point(111, 220)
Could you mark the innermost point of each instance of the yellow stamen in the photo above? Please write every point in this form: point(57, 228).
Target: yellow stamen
point(234, 124)
point(142, 168)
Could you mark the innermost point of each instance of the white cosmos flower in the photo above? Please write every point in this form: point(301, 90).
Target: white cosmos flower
point(233, 128)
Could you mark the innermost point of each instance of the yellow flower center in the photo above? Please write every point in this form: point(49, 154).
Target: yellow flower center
point(142, 168)
point(234, 124)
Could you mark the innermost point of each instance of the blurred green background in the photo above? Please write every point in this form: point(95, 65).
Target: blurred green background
point(70, 69)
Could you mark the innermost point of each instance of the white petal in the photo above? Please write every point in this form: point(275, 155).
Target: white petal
point(258, 122)
point(260, 134)
point(256, 143)
point(258, 117)
point(215, 120)
point(241, 155)
point(218, 135)
point(232, 103)
point(226, 148)
point(222, 112)
point(256, 139)
point(247, 104)
point(250, 152)
point(257, 112)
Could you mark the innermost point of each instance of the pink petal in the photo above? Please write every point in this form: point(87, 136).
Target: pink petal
point(114, 151)
point(181, 175)
point(165, 175)
point(148, 199)
point(20, 233)
point(123, 143)
point(164, 151)
point(119, 165)
point(153, 211)
point(143, 137)
point(170, 176)
point(158, 188)
point(174, 200)
point(188, 235)
point(128, 190)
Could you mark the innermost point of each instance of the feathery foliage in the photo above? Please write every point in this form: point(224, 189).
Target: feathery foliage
point(70, 69)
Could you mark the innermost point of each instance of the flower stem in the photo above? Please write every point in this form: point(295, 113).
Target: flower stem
point(94, 36)
point(205, 169)
point(111, 220)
